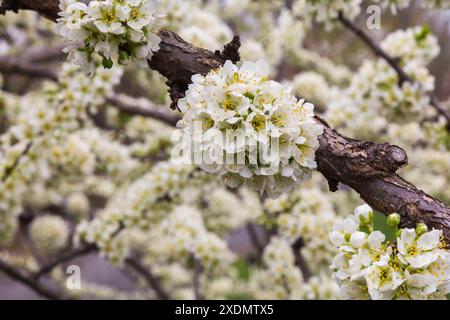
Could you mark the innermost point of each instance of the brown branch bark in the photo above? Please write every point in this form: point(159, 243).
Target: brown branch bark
point(196, 279)
point(368, 168)
point(10, 64)
point(133, 107)
point(300, 261)
point(29, 281)
point(149, 277)
point(64, 257)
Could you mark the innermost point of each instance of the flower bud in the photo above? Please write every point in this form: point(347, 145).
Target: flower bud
point(421, 228)
point(365, 214)
point(393, 220)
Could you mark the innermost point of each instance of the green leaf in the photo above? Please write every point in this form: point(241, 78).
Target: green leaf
point(243, 269)
point(380, 224)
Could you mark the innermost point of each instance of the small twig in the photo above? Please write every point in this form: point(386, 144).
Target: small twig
point(135, 107)
point(10, 64)
point(149, 277)
point(197, 273)
point(10, 170)
point(394, 63)
point(29, 281)
point(44, 54)
point(47, 268)
point(300, 261)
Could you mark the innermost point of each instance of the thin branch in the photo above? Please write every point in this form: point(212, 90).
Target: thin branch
point(196, 280)
point(149, 277)
point(10, 64)
point(300, 261)
point(44, 54)
point(29, 281)
point(126, 104)
point(64, 257)
point(10, 170)
point(393, 62)
point(141, 108)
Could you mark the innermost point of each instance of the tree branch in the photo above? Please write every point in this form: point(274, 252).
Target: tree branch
point(300, 261)
point(29, 281)
point(149, 277)
point(126, 104)
point(10, 64)
point(196, 281)
point(64, 257)
point(137, 107)
point(368, 168)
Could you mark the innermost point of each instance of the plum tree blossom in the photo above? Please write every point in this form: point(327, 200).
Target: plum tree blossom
point(269, 135)
point(369, 266)
point(115, 31)
point(192, 147)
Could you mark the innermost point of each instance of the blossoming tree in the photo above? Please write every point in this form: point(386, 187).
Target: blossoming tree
point(221, 150)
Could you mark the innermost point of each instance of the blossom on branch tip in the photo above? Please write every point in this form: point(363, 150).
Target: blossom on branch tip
point(112, 31)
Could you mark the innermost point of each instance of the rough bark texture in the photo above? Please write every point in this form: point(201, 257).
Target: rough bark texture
point(178, 60)
point(47, 8)
point(368, 168)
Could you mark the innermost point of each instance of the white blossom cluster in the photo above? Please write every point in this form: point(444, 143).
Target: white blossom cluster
point(311, 86)
point(50, 233)
point(43, 144)
point(282, 279)
point(283, 276)
point(308, 214)
point(374, 93)
point(251, 129)
point(416, 266)
point(395, 5)
point(115, 30)
point(326, 11)
point(415, 45)
point(187, 235)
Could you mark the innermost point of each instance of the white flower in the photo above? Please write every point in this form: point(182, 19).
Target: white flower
point(382, 280)
point(114, 30)
point(419, 252)
point(364, 213)
point(248, 129)
point(416, 267)
point(343, 230)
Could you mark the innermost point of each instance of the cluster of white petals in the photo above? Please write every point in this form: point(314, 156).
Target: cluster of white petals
point(187, 235)
point(117, 31)
point(416, 266)
point(374, 94)
point(50, 233)
point(248, 129)
point(43, 145)
point(326, 11)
